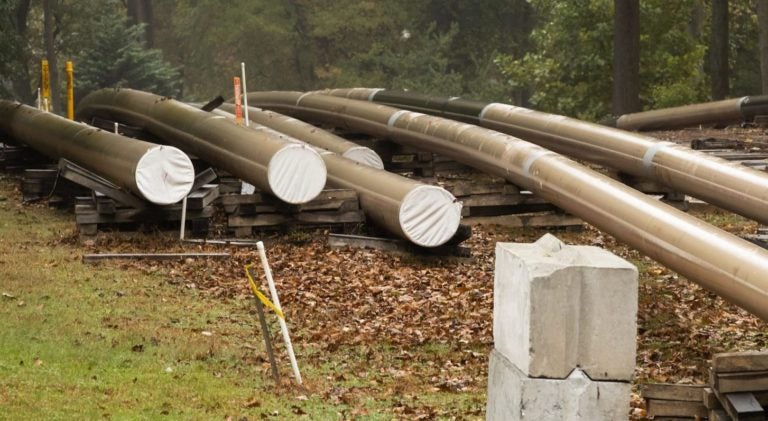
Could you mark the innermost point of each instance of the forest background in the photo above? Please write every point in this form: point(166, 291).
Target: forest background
point(589, 59)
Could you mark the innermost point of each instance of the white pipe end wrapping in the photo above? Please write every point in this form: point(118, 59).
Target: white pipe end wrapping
point(365, 156)
point(296, 174)
point(429, 216)
point(164, 175)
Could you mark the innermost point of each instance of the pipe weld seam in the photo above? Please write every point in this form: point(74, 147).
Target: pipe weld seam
point(533, 157)
point(651, 152)
point(481, 116)
point(393, 118)
point(298, 100)
point(373, 93)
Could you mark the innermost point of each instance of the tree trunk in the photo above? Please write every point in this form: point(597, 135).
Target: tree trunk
point(718, 49)
point(50, 52)
point(20, 78)
point(626, 56)
point(762, 24)
point(141, 12)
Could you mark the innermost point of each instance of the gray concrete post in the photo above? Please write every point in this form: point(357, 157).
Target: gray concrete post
point(564, 327)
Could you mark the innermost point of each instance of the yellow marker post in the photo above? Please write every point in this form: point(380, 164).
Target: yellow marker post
point(45, 84)
point(70, 91)
point(263, 298)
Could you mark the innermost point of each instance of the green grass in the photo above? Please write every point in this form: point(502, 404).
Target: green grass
point(87, 342)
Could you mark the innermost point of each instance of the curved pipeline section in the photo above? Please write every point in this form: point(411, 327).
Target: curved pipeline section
point(160, 174)
point(292, 172)
point(312, 135)
point(725, 184)
point(727, 111)
point(729, 266)
point(425, 215)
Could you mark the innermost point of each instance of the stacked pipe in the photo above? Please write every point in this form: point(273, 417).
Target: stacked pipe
point(725, 184)
point(728, 111)
point(292, 172)
point(159, 174)
point(426, 215)
point(312, 135)
point(727, 265)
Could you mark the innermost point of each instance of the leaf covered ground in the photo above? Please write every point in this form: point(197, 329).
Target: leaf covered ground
point(378, 335)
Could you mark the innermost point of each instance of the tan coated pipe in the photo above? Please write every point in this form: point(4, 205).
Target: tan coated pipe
point(722, 183)
point(293, 173)
point(425, 215)
point(312, 135)
point(160, 174)
point(725, 111)
point(727, 265)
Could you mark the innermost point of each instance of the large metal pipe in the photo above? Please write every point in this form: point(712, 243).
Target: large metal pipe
point(160, 174)
point(312, 135)
point(426, 215)
point(728, 111)
point(725, 184)
point(294, 173)
point(727, 265)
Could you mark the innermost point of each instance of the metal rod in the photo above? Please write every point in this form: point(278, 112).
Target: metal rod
point(245, 96)
point(159, 174)
point(714, 180)
point(183, 218)
point(276, 302)
point(426, 215)
point(267, 339)
point(727, 265)
point(292, 172)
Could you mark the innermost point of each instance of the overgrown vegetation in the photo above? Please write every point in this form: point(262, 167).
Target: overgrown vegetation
point(553, 55)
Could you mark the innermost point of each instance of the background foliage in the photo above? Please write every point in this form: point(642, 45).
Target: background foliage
point(548, 54)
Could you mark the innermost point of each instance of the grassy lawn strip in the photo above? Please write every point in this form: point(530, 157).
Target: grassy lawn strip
point(84, 342)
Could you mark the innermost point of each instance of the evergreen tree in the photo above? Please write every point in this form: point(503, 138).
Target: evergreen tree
point(115, 56)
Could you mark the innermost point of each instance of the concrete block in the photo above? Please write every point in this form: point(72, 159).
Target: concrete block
point(513, 396)
point(557, 307)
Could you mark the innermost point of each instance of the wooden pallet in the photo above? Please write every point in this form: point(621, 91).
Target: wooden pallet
point(98, 212)
point(247, 213)
point(737, 390)
point(17, 158)
point(44, 183)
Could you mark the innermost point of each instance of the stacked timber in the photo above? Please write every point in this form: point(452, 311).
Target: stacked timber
point(44, 183)
point(257, 212)
point(733, 151)
point(97, 212)
point(16, 158)
point(483, 199)
point(737, 390)
point(404, 159)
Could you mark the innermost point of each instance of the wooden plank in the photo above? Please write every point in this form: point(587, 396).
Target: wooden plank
point(203, 196)
point(358, 241)
point(742, 406)
point(709, 399)
point(264, 220)
point(92, 258)
point(120, 216)
point(528, 220)
point(718, 415)
point(89, 180)
point(666, 408)
point(750, 381)
point(730, 362)
point(492, 200)
point(330, 217)
point(672, 392)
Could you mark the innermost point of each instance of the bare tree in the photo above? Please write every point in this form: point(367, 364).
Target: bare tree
point(718, 50)
point(762, 24)
point(141, 12)
point(626, 56)
point(50, 51)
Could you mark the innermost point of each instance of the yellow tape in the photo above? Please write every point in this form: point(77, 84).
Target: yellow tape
point(263, 298)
